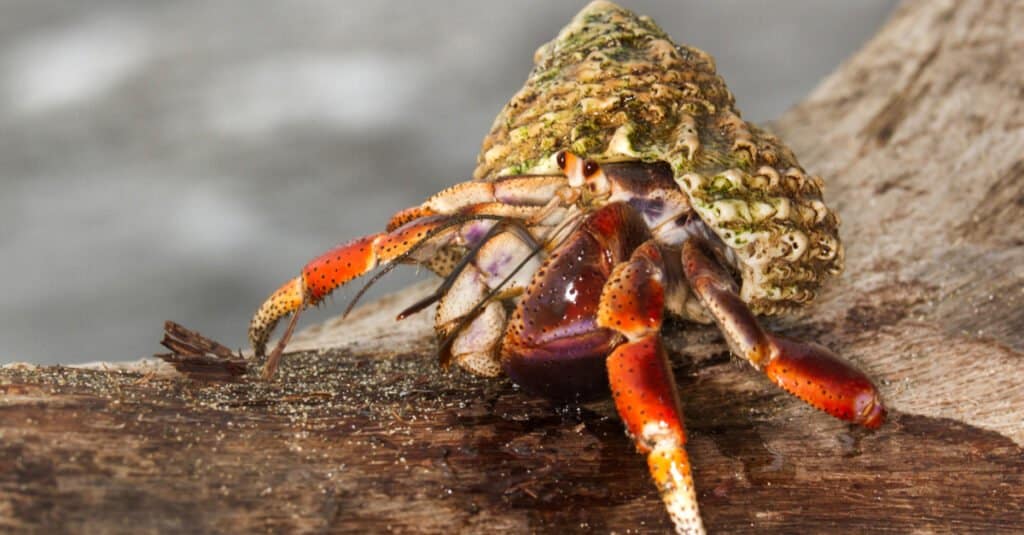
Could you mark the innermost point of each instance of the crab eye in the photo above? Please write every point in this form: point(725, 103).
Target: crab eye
point(589, 168)
point(560, 160)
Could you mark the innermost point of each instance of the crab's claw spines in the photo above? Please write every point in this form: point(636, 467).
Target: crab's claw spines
point(285, 300)
point(825, 381)
point(646, 399)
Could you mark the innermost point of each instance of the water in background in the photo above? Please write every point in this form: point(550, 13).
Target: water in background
point(179, 160)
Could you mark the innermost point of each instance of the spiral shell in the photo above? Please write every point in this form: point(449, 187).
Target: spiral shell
point(613, 87)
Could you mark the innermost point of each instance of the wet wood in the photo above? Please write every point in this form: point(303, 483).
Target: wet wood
point(921, 139)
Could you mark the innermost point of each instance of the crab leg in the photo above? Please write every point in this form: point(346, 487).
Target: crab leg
point(641, 380)
point(806, 370)
point(466, 318)
point(590, 318)
point(332, 269)
point(519, 198)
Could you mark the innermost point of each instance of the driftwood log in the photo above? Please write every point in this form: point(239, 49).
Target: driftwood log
point(921, 139)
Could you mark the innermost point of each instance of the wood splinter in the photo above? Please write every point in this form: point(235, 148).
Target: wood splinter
point(199, 357)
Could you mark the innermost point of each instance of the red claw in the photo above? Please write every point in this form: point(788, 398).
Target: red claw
point(804, 369)
point(825, 381)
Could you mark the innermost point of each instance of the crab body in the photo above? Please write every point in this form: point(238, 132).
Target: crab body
point(618, 186)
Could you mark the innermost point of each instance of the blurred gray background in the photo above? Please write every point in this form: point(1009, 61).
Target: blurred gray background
point(181, 159)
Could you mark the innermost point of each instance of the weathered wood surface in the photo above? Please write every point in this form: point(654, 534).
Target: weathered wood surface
point(921, 140)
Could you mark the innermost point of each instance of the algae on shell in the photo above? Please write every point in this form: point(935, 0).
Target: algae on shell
point(612, 86)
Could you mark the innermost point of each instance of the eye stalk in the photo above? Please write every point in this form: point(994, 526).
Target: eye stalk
point(572, 166)
point(560, 160)
point(583, 174)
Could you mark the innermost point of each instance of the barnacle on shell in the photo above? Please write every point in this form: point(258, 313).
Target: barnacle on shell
point(612, 86)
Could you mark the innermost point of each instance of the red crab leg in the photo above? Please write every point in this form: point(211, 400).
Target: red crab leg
point(520, 197)
point(332, 269)
point(591, 313)
point(641, 380)
point(806, 370)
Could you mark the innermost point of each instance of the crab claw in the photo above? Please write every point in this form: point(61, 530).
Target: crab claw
point(319, 278)
point(807, 370)
point(285, 300)
point(327, 272)
point(823, 380)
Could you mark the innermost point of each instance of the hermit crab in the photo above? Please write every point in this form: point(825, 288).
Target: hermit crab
point(617, 186)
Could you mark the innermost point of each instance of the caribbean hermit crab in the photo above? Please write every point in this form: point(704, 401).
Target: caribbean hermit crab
point(618, 185)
